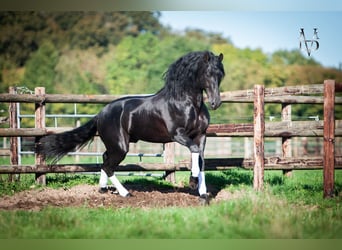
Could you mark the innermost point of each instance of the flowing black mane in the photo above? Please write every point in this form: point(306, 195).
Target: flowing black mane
point(182, 76)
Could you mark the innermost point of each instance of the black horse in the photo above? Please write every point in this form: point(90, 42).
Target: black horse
point(176, 113)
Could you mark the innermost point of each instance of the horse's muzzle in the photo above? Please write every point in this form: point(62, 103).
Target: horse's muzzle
point(215, 104)
point(214, 98)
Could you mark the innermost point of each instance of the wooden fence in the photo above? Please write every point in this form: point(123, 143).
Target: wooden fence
point(286, 129)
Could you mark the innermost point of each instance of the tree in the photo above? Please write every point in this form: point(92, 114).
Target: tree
point(22, 33)
point(40, 68)
point(19, 35)
point(127, 73)
point(292, 57)
point(139, 62)
point(80, 72)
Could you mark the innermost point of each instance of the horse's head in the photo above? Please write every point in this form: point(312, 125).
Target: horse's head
point(194, 72)
point(211, 74)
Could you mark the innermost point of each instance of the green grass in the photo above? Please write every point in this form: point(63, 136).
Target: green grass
point(288, 208)
point(252, 216)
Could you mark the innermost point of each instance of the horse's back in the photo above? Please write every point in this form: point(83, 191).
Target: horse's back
point(136, 118)
point(146, 120)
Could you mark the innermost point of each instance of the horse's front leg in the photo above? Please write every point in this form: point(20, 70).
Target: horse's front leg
point(182, 138)
point(196, 146)
point(196, 173)
point(196, 169)
point(197, 178)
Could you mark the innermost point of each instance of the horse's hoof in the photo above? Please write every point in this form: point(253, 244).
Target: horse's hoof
point(193, 182)
point(205, 199)
point(129, 195)
point(112, 190)
point(103, 190)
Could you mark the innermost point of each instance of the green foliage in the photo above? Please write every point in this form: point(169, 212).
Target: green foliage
point(8, 188)
point(128, 52)
point(22, 33)
point(70, 180)
point(19, 35)
point(284, 57)
point(129, 70)
point(40, 68)
point(80, 71)
point(139, 63)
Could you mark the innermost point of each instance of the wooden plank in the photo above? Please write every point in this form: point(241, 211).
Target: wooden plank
point(272, 129)
point(271, 163)
point(73, 168)
point(286, 140)
point(22, 132)
point(60, 98)
point(5, 152)
point(169, 159)
point(295, 99)
point(289, 94)
point(259, 129)
point(329, 138)
point(13, 121)
point(40, 124)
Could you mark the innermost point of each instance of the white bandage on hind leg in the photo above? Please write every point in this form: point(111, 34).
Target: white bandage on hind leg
point(202, 188)
point(121, 189)
point(195, 164)
point(103, 179)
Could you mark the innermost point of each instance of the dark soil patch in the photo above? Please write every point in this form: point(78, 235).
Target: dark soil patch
point(88, 196)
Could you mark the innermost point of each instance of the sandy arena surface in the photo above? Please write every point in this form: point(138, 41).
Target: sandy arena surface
point(88, 196)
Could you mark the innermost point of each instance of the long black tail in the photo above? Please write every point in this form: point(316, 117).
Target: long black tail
point(55, 146)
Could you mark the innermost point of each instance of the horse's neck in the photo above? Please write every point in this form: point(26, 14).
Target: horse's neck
point(198, 100)
point(195, 99)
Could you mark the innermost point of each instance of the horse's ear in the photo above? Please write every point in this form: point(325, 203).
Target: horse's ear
point(220, 57)
point(206, 57)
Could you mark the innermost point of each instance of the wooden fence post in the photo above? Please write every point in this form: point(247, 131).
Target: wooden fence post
point(259, 130)
point(169, 159)
point(13, 122)
point(286, 141)
point(329, 138)
point(40, 123)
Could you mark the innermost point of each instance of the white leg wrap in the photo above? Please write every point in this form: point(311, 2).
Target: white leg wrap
point(103, 179)
point(202, 188)
point(195, 164)
point(121, 189)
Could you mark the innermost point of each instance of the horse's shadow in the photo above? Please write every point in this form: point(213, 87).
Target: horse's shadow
point(151, 185)
point(215, 182)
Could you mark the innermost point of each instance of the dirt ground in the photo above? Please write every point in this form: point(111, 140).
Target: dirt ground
point(88, 196)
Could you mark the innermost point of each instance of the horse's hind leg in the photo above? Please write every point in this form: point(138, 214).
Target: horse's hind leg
point(110, 160)
point(103, 177)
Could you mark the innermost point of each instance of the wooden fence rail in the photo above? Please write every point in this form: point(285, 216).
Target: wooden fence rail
point(272, 129)
point(286, 129)
point(270, 163)
point(292, 94)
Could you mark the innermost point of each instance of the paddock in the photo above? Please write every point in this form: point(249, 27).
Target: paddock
point(329, 129)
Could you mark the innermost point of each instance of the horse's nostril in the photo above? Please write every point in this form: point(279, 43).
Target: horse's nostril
point(215, 105)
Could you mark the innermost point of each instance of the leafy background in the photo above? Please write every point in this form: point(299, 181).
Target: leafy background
point(128, 52)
